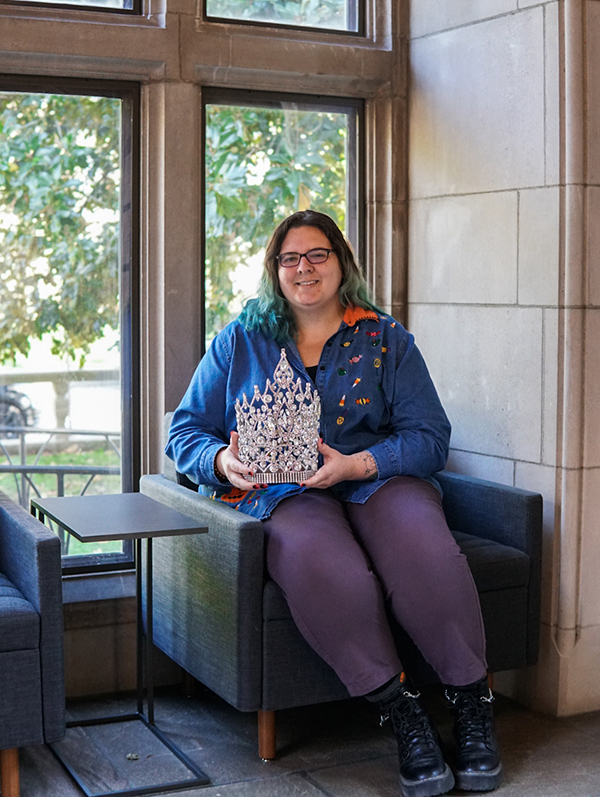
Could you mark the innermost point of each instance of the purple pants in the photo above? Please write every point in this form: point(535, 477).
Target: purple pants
point(339, 564)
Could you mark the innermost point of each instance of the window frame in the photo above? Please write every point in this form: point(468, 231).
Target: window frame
point(359, 13)
point(129, 303)
point(311, 102)
point(135, 11)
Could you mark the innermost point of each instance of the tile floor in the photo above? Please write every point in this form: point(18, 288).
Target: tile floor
point(335, 750)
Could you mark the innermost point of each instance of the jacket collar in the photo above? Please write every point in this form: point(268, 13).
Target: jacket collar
point(355, 314)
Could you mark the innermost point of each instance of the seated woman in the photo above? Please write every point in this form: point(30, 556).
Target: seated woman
point(367, 530)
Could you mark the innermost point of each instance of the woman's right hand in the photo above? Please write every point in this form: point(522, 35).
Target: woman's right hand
point(228, 462)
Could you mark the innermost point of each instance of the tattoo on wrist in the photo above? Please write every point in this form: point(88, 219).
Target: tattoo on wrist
point(370, 466)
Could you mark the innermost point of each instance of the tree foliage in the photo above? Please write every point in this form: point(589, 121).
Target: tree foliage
point(59, 207)
point(261, 165)
point(59, 221)
point(312, 13)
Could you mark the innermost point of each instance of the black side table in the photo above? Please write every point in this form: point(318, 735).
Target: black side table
point(126, 516)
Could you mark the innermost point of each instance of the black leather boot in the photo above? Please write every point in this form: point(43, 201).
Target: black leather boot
point(423, 771)
point(477, 764)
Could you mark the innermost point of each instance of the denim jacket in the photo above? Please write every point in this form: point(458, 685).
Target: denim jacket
point(376, 395)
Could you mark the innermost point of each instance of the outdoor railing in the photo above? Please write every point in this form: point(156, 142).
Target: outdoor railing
point(23, 471)
point(60, 380)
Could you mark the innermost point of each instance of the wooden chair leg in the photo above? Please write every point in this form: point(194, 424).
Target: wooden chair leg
point(189, 684)
point(9, 772)
point(490, 678)
point(266, 735)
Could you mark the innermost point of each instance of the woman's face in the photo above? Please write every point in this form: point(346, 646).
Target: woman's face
point(307, 286)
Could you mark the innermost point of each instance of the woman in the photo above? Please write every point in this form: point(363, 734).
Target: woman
point(367, 530)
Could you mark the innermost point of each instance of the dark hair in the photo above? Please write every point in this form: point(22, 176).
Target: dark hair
point(270, 311)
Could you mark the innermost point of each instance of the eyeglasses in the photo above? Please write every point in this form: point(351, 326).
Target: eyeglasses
point(314, 257)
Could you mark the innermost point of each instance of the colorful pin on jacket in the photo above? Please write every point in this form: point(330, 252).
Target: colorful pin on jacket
point(395, 414)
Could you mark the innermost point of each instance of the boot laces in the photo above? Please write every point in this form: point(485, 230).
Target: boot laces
point(473, 715)
point(411, 725)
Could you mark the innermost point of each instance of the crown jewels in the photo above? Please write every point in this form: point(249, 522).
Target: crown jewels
point(279, 429)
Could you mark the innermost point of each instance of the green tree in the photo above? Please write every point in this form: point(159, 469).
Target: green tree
point(312, 13)
point(59, 221)
point(59, 207)
point(261, 165)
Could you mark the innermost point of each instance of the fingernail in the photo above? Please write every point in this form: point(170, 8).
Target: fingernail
point(302, 484)
point(264, 486)
point(256, 486)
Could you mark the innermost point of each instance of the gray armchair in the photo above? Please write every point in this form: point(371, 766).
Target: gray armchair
point(218, 614)
point(32, 692)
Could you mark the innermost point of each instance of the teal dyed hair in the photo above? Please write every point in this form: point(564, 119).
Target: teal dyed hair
point(270, 311)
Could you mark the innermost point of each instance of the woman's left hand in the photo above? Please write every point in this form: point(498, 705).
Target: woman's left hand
point(339, 467)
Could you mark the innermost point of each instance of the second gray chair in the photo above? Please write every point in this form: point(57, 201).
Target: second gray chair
point(32, 691)
point(219, 615)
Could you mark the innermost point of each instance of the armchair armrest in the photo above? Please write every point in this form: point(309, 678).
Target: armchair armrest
point(493, 511)
point(208, 594)
point(30, 557)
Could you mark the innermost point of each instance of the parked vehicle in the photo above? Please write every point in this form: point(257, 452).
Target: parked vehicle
point(16, 410)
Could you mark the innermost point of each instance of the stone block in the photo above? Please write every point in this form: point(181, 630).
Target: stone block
point(211, 49)
point(590, 548)
point(591, 370)
point(180, 238)
point(552, 92)
point(582, 691)
point(570, 343)
point(550, 394)
point(539, 236)
point(477, 111)
point(593, 245)
point(486, 363)
point(573, 287)
point(542, 479)
point(464, 249)
point(432, 16)
point(493, 469)
point(592, 33)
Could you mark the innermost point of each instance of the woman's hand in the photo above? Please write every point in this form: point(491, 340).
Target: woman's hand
point(228, 462)
point(339, 467)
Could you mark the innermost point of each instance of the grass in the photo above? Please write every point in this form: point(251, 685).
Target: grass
point(46, 484)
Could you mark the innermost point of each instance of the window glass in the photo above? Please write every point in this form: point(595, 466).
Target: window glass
point(328, 14)
point(261, 164)
point(109, 5)
point(61, 296)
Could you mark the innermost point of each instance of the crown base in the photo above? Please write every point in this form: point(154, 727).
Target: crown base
point(280, 477)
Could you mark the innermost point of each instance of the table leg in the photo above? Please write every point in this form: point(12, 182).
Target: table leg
point(145, 690)
point(149, 634)
point(139, 636)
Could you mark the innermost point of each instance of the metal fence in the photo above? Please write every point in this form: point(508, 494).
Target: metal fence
point(18, 442)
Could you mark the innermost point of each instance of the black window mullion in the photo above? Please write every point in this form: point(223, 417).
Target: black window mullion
point(129, 302)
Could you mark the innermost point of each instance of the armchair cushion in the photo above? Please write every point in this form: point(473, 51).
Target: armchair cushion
point(19, 621)
point(32, 687)
point(494, 566)
point(21, 714)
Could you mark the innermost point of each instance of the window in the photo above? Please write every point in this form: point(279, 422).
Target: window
point(339, 15)
point(127, 6)
point(69, 307)
point(265, 158)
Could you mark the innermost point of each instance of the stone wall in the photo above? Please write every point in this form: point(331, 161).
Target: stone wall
point(504, 283)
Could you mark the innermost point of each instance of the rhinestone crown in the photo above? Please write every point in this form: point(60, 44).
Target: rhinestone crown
point(279, 429)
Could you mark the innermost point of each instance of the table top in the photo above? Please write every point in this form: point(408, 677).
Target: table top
point(123, 516)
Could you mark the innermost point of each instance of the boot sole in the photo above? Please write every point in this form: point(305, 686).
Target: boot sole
point(428, 788)
point(479, 781)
